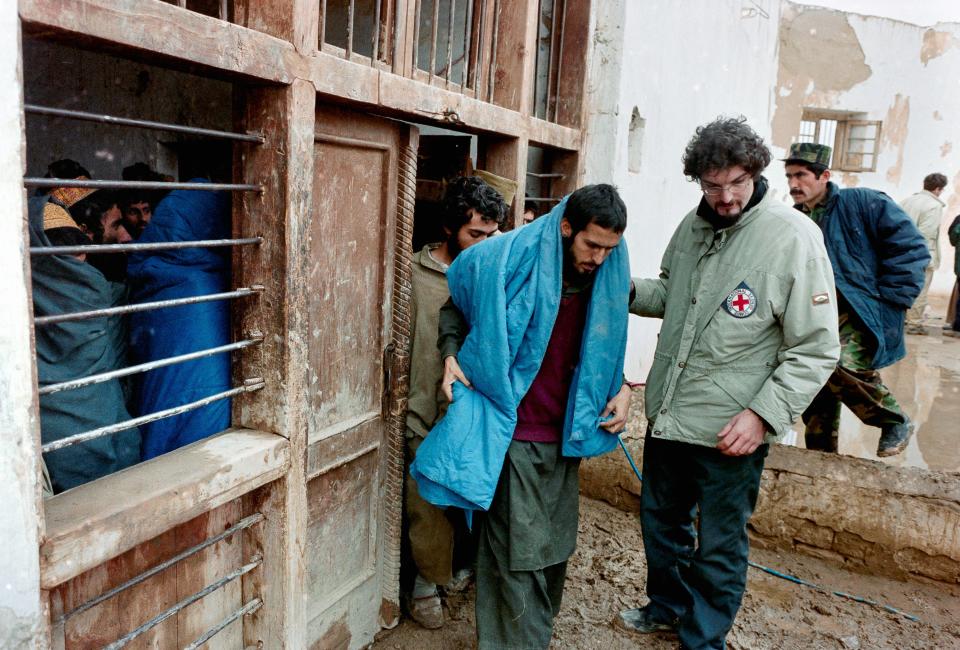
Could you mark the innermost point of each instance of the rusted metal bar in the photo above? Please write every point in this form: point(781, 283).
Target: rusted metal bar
point(323, 23)
point(31, 181)
point(350, 14)
point(539, 175)
point(183, 604)
point(163, 566)
point(145, 306)
point(157, 246)
point(467, 45)
point(478, 74)
point(376, 32)
point(453, 11)
point(249, 608)
point(556, 99)
point(542, 199)
point(144, 367)
point(36, 109)
point(224, 10)
point(553, 51)
point(249, 386)
point(493, 50)
point(418, 9)
point(433, 39)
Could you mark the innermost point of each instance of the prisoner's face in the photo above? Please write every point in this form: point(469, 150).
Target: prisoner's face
point(114, 230)
point(590, 247)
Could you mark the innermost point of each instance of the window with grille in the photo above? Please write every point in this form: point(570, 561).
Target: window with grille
point(855, 141)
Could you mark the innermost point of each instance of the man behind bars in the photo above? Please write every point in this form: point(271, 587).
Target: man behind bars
point(878, 259)
point(533, 343)
point(472, 211)
point(748, 338)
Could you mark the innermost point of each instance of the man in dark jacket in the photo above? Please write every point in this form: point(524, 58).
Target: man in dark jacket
point(878, 258)
point(954, 323)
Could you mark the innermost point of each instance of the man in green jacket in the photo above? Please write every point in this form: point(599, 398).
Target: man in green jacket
point(749, 336)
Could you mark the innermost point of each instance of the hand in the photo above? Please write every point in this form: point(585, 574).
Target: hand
point(452, 373)
point(742, 434)
point(619, 408)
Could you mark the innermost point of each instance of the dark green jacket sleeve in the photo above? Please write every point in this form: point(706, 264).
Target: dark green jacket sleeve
point(452, 330)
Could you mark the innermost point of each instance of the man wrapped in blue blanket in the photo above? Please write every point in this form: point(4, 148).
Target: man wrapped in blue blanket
point(533, 341)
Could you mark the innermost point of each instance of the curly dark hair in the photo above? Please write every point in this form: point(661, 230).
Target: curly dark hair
point(726, 142)
point(468, 192)
point(89, 211)
point(599, 204)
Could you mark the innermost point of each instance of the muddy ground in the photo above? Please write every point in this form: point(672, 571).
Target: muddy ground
point(607, 574)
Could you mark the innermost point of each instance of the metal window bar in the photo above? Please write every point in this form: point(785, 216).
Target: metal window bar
point(433, 39)
point(553, 50)
point(417, 12)
point(36, 109)
point(493, 50)
point(323, 23)
point(350, 15)
point(557, 84)
point(182, 4)
point(144, 367)
point(183, 604)
point(550, 175)
point(224, 11)
point(249, 386)
point(249, 608)
point(243, 524)
point(376, 33)
point(31, 181)
point(467, 45)
point(155, 246)
point(542, 199)
point(145, 306)
point(478, 74)
point(450, 18)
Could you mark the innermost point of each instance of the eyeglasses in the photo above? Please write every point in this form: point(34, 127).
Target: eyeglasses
point(735, 187)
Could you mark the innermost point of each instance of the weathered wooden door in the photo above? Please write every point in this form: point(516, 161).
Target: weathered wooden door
point(354, 455)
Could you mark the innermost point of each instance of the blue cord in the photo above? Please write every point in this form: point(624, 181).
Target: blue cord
point(787, 576)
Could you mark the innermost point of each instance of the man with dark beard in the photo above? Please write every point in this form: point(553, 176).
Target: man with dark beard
point(473, 211)
point(748, 338)
point(533, 342)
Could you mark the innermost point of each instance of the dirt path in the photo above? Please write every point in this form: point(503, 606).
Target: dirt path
point(607, 575)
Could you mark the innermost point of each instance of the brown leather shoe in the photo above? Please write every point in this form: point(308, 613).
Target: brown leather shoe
point(427, 611)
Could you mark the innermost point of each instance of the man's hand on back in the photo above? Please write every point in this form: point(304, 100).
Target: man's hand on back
point(452, 373)
point(742, 434)
point(618, 408)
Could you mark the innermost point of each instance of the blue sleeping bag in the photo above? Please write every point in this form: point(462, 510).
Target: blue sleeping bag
point(157, 334)
point(509, 290)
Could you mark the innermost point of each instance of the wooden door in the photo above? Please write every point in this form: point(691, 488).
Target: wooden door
point(354, 461)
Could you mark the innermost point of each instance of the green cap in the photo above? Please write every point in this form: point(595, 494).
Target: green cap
point(810, 152)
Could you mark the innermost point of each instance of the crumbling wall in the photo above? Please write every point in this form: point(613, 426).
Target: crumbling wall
point(895, 521)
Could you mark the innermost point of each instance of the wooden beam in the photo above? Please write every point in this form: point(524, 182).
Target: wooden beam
point(507, 157)
point(342, 79)
point(548, 134)
point(282, 215)
point(515, 41)
point(92, 523)
point(294, 21)
point(155, 28)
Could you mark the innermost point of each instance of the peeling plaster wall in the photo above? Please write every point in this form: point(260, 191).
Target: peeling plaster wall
point(21, 611)
point(902, 74)
point(680, 64)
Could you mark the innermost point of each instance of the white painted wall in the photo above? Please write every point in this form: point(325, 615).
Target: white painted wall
point(892, 50)
point(20, 601)
point(681, 64)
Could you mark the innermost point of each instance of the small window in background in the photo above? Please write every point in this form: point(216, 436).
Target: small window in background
point(854, 140)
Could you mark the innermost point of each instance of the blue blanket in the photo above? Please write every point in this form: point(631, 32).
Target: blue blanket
point(509, 289)
point(182, 215)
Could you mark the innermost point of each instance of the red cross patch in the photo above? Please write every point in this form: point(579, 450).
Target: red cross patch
point(741, 302)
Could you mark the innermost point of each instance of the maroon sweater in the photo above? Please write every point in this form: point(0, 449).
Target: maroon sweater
point(543, 409)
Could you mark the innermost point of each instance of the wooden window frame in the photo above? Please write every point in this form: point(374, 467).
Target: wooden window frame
point(846, 121)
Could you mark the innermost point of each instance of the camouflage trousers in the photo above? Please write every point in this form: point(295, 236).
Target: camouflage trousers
point(853, 383)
